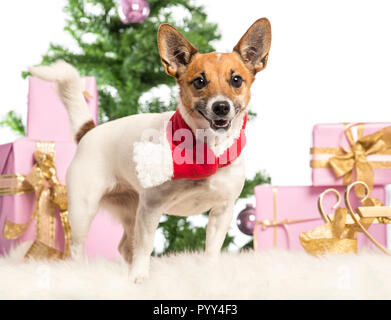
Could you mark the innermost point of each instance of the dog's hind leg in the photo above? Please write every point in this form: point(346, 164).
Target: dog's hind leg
point(126, 244)
point(84, 196)
point(123, 204)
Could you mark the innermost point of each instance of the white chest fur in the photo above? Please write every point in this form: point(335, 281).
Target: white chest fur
point(190, 197)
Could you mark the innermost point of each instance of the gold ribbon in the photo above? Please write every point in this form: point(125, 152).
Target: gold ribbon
point(339, 233)
point(273, 223)
point(352, 163)
point(266, 223)
point(50, 195)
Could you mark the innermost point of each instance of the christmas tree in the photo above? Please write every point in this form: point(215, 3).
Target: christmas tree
point(125, 61)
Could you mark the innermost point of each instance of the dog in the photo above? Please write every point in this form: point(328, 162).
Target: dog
point(137, 178)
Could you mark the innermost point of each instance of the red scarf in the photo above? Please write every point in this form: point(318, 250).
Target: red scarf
point(206, 164)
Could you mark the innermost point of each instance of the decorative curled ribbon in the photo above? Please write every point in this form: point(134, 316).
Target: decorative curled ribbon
point(352, 163)
point(382, 213)
point(50, 195)
point(335, 236)
point(339, 233)
point(266, 223)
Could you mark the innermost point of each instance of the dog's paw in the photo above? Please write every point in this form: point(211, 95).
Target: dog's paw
point(138, 277)
point(77, 252)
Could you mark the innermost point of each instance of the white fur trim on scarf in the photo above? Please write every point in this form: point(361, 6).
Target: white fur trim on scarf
point(154, 164)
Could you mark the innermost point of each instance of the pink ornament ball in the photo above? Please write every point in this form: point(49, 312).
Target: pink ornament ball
point(133, 11)
point(246, 220)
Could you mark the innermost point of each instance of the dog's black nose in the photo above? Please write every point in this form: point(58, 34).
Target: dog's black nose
point(220, 108)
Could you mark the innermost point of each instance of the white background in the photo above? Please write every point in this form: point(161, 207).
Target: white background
point(330, 61)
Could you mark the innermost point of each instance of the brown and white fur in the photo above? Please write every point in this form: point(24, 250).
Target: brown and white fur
point(105, 170)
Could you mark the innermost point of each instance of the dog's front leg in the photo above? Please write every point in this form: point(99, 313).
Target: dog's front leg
point(219, 221)
point(147, 221)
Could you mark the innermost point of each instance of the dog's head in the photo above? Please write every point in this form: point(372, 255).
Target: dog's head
point(215, 87)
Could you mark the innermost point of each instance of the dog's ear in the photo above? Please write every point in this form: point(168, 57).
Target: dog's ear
point(176, 52)
point(254, 46)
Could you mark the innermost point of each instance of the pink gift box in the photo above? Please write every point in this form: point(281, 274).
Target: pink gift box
point(333, 136)
point(48, 121)
point(17, 157)
point(47, 117)
point(300, 202)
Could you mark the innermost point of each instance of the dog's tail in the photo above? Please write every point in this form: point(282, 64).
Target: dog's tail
point(70, 88)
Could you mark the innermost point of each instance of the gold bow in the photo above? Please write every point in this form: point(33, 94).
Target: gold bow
point(334, 237)
point(352, 164)
point(50, 195)
point(339, 233)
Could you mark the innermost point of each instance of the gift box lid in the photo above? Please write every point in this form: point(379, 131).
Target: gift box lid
point(47, 118)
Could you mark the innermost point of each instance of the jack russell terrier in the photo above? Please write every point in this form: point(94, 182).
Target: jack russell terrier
point(179, 163)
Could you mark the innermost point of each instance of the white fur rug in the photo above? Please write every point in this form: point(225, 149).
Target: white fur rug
point(273, 274)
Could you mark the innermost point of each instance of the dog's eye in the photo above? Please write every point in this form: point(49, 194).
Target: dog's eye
point(236, 81)
point(199, 83)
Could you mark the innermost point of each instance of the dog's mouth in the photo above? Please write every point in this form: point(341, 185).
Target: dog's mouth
point(217, 124)
point(221, 124)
